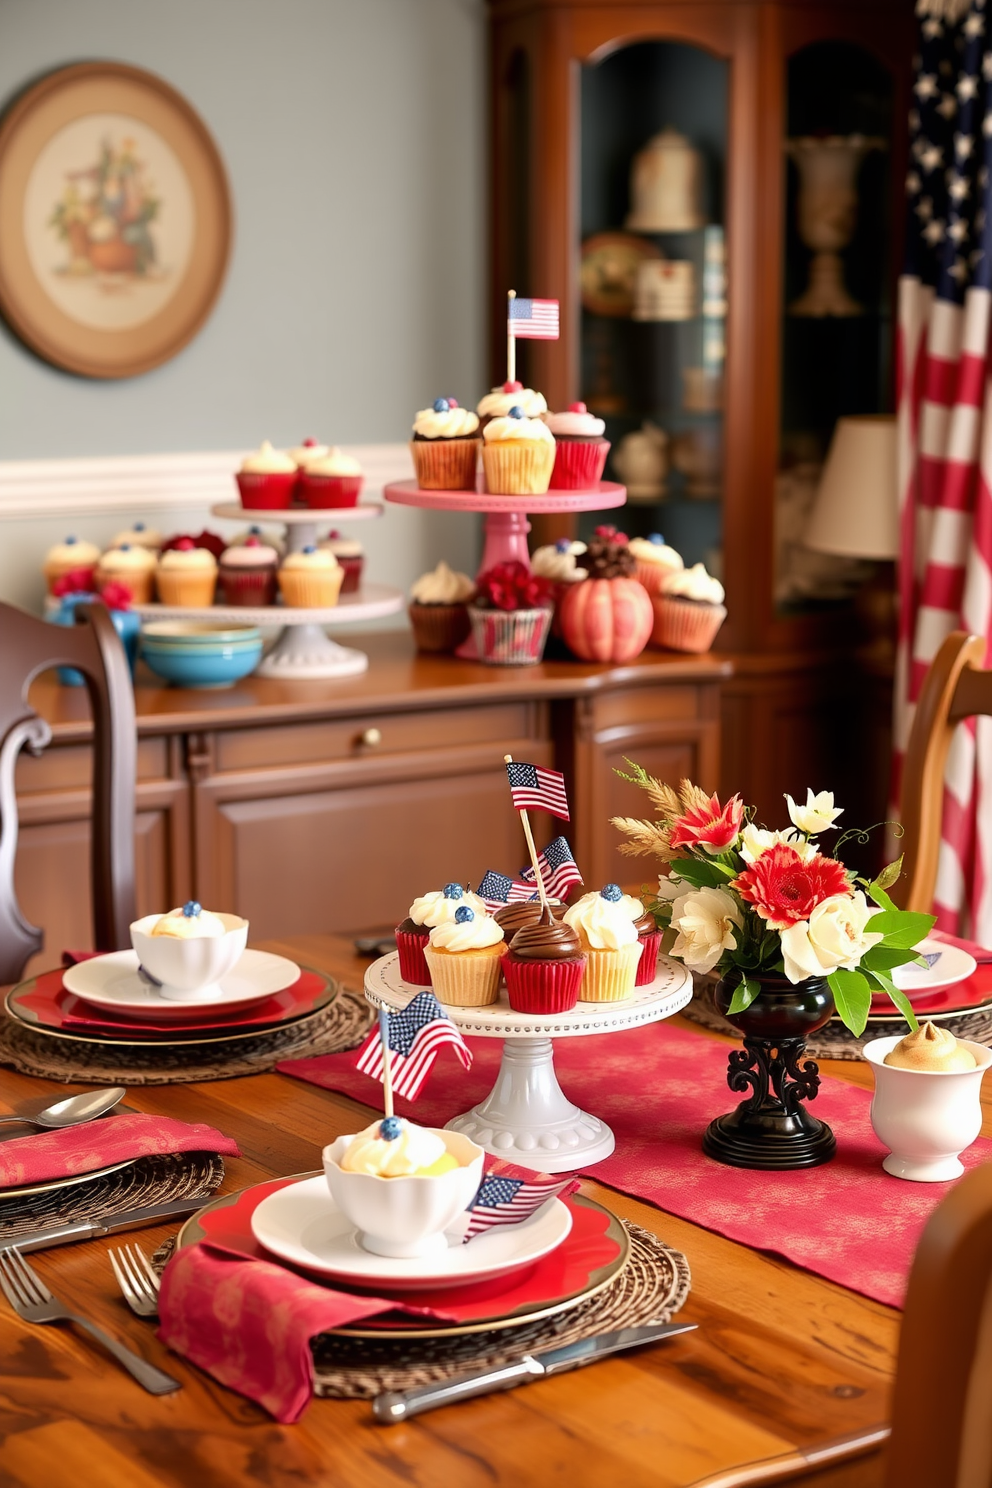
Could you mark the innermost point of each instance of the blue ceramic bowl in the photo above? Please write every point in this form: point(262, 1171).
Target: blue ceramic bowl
point(219, 664)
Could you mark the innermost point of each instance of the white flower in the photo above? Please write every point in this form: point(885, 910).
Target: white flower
point(670, 886)
point(817, 815)
point(756, 840)
point(705, 921)
point(833, 936)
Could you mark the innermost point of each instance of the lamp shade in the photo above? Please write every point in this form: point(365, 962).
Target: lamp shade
point(855, 511)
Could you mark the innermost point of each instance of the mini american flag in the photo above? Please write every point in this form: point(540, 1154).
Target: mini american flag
point(508, 1195)
point(558, 869)
point(535, 789)
point(416, 1036)
point(497, 889)
point(536, 320)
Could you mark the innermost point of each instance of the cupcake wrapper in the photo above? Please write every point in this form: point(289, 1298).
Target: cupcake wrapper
point(610, 975)
point(139, 585)
point(445, 464)
point(685, 624)
point(468, 979)
point(352, 574)
point(249, 587)
point(648, 964)
point(579, 464)
point(510, 637)
point(518, 468)
point(321, 492)
point(439, 627)
point(311, 591)
point(191, 591)
point(271, 492)
point(413, 964)
point(650, 575)
point(543, 986)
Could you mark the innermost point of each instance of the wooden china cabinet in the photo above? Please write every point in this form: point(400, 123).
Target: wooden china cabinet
point(740, 374)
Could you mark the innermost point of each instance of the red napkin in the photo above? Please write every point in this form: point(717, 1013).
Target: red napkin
point(980, 953)
point(97, 1144)
point(249, 1323)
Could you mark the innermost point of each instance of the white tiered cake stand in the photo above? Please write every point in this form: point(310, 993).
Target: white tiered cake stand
point(526, 1117)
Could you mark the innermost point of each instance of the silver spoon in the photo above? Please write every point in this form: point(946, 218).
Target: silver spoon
point(74, 1109)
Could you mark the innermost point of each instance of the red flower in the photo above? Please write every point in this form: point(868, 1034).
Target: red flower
point(784, 889)
point(77, 581)
point(511, 586)
point(710, 827)
point(117, 596)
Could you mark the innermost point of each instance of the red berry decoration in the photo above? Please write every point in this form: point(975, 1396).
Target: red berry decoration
point(513, 387)
point(511, 586)
point(609, 615)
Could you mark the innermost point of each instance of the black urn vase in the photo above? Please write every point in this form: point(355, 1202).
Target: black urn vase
point(772, 1127)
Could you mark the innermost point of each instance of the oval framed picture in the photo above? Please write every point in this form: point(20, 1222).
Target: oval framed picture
point(115, 220)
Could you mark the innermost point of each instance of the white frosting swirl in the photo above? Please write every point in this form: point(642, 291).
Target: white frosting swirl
point(343, 547)
point(414, 1149)
point(535, 429)
point(659, 553)
point(499, 402)
point(268, 461)
point(603, 924)
point(693, 583)
point(320, 558)
point(249, 555)
point(177, 926)
point(335, 462)
point(576, 423)
point(466, 935)
point(443, 587)
point(73, 554)
point(127, 560)
point(182, 558)
point(304, 453)
point(559, 567)
point(139, 536)
point(434, 909)
point(452, 423)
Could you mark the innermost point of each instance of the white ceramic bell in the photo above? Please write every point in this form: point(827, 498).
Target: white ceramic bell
point(666, 185)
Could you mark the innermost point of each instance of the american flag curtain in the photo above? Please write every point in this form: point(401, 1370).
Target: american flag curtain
point(945, 423)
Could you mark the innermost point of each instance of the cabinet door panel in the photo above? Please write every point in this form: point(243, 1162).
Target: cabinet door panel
point(671, 761)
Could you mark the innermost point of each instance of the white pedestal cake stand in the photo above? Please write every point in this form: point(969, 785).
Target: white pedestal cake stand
point(300, 522)
point(526, 1117)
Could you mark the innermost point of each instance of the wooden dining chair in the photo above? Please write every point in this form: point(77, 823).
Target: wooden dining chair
point(27, 647)
point(956, 687)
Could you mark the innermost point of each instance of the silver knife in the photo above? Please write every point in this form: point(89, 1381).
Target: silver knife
point(393, 1406)
point(105, 1224)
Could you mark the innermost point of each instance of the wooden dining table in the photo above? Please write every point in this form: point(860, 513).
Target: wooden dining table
point(782, 1360)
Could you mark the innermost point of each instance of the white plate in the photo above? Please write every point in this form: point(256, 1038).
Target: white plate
point(112, 981)
point(302, 1225)
point(947, 964)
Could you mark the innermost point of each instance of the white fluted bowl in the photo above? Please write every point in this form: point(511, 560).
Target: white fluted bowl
point(190, 970)
point(926, 1118)
point(405, 1216)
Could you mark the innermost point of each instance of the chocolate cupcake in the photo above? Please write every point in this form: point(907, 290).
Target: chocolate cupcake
point(513, 917)
point(544, 966)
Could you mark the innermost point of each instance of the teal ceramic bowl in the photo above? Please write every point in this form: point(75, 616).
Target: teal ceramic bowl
point(205, 662)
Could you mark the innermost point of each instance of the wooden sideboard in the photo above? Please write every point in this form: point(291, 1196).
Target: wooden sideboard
point(327, 806)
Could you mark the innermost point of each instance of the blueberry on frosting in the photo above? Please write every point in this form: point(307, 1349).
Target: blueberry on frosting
point(463, 914)
point(657, 539)
point(191, 909)
point(390, 1128)
point(612, 892)
point(441, 405)
point(310, 548)
point(516, 411)
point(563, 545)
point(453, 891)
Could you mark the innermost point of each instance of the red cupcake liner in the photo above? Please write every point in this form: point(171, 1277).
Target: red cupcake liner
point(579, 464)
point(321, 492)
point(413, 962)
point(352, 574)
point(247, 586)
point(270, 492)
point(543, 986)
point(648, 964)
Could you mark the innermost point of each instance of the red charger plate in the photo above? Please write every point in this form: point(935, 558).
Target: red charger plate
point(594, 1252)
point(969, 996)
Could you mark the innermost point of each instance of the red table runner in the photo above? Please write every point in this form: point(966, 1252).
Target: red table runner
point(658, 1088)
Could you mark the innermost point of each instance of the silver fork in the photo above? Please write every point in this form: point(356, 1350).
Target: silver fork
point(31, 1300)
point(137, 1279)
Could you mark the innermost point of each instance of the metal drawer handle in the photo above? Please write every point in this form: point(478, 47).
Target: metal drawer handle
point(370, 737)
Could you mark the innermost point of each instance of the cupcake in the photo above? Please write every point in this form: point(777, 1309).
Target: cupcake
point(132, 567)
point(580, 449)
point(498, 403)
point(543, 966)
point(187, 576)
point(439, 609)
point(464, 956)
point(432, 909)
point(445, 447)
point(689, 610)
point(247, 573)
point(648, 936)
point(335, 479)
point(139, 536)
point(517, 454)
point(609, 940)
point(513, 917)
point(310, 579)
point(267, 535)
point(653, 561)
point(212, 541)
point(266, 479)
point(557, 563)
point(71, 556)
point(351, 556)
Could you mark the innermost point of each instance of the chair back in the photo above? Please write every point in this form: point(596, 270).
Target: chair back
point(954, 688)
point(27, 647)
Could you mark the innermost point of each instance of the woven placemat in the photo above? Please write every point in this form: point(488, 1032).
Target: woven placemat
point(340, 1025)
point(148, 1180)
point(835, 1041)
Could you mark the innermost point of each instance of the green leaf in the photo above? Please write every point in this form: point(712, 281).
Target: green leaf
point(884, 957)
point(743, 996)
point(880, 897)
point(889, 875)
point(852, 999)
point(901, 928)
point(897, 996)
point(703, 875)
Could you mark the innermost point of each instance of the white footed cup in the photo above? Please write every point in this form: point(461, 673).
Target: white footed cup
point(926, 1118)
point(190, 969)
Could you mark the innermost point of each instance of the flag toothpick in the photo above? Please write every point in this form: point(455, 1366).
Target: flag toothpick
point(528, 834)
point(511, 340)
point(387, 1073)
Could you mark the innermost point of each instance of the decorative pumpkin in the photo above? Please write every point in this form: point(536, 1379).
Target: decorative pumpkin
point(608, 616)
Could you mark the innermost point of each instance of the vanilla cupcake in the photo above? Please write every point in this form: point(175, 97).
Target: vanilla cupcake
point(498, 403)
point(445, 446)
point(518, 454)
point(187, 576)
point(609, 939)
point(311, 579)
point(71, 556)
point(267, 479)
point(654, 560)
point(464, 956)
point(139, 536)
point(132, 567)
point(580, 449)
point(334, 479)
point(557, 562)
point(689, 610)
point(439, 609)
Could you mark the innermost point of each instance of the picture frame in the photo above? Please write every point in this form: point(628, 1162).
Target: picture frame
point(115, 220)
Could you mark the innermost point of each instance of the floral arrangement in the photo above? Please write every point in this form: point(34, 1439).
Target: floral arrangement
point(511, 586)
point(745, 900)
point(76, 581)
